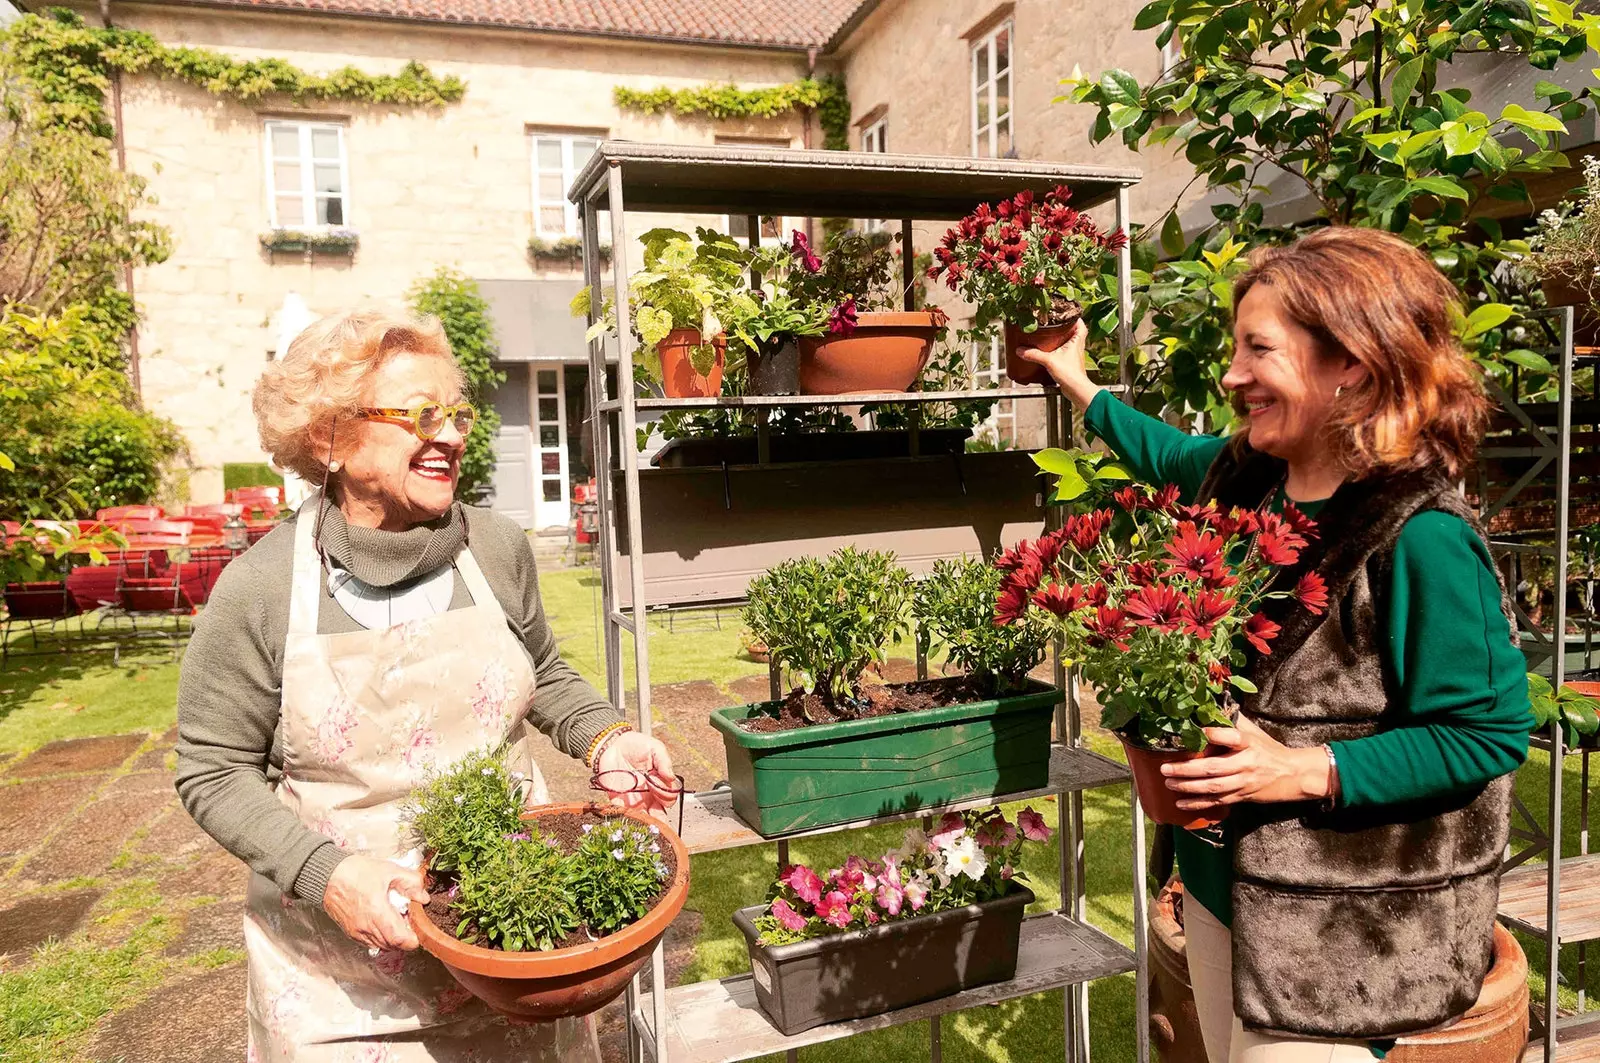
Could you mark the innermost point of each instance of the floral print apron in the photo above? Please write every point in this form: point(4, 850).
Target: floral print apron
point(365, 715)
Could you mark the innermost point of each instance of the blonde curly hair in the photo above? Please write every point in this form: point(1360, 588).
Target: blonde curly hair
point(325, 374)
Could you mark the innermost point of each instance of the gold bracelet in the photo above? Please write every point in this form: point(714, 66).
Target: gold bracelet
point(601, 739)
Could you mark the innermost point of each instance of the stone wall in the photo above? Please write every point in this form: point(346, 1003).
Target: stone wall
point(427, 187)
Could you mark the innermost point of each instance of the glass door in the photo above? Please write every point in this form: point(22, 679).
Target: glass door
point(552, 499)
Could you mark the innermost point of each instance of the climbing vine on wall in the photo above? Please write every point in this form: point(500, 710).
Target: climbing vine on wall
point(70, 63)
point(825, 95)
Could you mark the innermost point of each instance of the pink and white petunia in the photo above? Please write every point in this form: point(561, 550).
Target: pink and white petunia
point(787, 915)
point(1033, 826)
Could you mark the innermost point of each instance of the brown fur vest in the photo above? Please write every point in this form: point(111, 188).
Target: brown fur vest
point(1357, 922)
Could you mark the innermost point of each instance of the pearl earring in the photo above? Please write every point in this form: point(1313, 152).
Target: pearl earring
point(333, 466)
point(1336, 393)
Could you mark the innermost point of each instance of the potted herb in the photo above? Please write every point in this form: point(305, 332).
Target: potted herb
point(941, 914)
point(679, 299)
point(870, 345)
point(770, 318)
point(337, 241)
point(542, 913)
point(1157, 621)
point(1038, 266)
point(1565, 254)
point(1574, 705)
point(838, 749)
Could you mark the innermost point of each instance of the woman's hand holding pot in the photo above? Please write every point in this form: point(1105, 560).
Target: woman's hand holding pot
point(357, 898)
point(636, 752)
point(1066, 364)
point(1259, 768)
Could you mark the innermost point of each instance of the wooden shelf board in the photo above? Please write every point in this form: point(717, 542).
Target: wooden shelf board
point(709, 822)
point(719, 1022)
point(1582, 1046)
point(741, 402)
point(1523, 900)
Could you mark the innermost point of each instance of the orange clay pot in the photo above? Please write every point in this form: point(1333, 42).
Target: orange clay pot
point(1160, 803)
point(542, 986)
point(1044, 338)
point(678, 376)
point(886, 352)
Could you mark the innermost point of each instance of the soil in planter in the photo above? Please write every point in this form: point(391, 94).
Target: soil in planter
point(1063, 311)
point(800, 709)
point(567, 829)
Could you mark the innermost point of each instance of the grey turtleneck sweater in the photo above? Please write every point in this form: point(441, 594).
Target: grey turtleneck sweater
point(230, 747)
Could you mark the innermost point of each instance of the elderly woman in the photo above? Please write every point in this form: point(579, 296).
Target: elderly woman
point(382, 631)
point(1350, 896)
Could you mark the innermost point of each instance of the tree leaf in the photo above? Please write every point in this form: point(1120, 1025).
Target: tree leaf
point(1172, 234)
point(1520, 116)
point(1239, 682)
point(1405, 82)
point(1486, 317)
point(1462, 139)
point(1152, 15)
point(1529, 360)
point(1442, 187)
point(1055, 460)
point(1119, 86)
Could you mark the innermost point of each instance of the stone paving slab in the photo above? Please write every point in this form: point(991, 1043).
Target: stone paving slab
point(197, 1019)
point(155, 758)
point(77, 755)
point(31, 810)
point(174, 836)
point(34, 920)
point(208, 927)
point(216, 873)
point(91, 840)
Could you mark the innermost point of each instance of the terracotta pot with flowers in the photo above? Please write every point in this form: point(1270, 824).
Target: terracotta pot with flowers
point(1037, 265)
point(542, 913)
point(1159, 620)
point(940, 914)
point(1565, 255)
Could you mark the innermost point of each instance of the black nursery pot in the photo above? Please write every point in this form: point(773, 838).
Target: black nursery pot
point(776, 372)
point(891, 966)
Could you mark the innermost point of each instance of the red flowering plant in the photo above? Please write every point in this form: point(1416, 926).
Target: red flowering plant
point(969, 858)
point(1158, 621)
point(1032, 261)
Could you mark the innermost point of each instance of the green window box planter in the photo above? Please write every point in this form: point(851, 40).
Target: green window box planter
point(884, 968)
point(834, 773)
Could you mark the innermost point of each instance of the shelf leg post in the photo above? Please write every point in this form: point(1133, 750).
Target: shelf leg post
point(600, 437)
point(935, 1041)
point(1125, 295)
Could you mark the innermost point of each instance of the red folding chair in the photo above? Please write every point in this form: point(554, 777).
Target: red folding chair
point(214, 509)
point(116, 514)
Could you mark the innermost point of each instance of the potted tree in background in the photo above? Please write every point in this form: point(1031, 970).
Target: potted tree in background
point(1036, 265)
point(838, 748)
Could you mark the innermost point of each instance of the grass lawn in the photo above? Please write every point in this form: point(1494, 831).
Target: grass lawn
point(66, 696)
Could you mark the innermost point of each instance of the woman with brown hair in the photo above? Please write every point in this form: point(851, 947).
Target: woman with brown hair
point(1350, 896)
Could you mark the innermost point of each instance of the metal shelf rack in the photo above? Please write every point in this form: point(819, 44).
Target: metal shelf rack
point(715, 1022)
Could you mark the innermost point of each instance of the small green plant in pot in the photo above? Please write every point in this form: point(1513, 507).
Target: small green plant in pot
point(954, 608)
point(840, 747)
point(1565, 253)
point(523, 899)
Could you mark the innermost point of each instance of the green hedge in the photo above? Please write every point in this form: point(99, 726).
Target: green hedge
point(236, 474)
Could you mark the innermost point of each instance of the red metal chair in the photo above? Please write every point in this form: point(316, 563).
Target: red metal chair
point(115, 514)
point(200, 573)
point(214, 509)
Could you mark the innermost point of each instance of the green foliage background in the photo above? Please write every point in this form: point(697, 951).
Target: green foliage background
point(825, 95)
point(455, 300)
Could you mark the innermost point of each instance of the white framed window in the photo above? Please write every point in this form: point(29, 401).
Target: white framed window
point(986, 361)
point(308, 176)
point(875, 137)
point(557, 158)
point(1171, 53)
point(991, 93)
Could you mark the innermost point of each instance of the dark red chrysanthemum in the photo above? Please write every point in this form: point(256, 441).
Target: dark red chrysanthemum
point(1028, 575)
point(1312, 591)
point(1061, 600)
point(1158, 606)
point(1099, 594)
point(1259, 631)
point(1196, 554)
point(1130, 498)
point(1275, 551)
point(1142, 573)
point(1302, 524)
point(1084, 531)
point(1109, 626)
point(1203, 612)
point(1009, 606)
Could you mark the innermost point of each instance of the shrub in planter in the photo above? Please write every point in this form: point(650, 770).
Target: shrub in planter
point(1156, 621)
point(1565, 253)
point(954, 608)
point(1037, 265)
point(837, 749)
point(543, 913)
point(941, 914)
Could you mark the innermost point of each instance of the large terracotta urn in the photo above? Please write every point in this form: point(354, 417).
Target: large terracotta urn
point(1494, 1031)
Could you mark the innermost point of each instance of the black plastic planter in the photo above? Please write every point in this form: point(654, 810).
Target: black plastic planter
point(892, 966)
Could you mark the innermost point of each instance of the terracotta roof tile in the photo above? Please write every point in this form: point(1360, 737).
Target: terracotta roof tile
point(795, 24)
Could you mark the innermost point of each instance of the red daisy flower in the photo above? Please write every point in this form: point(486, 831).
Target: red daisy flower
point(1130, 499)
point(1061, 600)
point(1196, 554)
point(1302, 524)
point(1312, 591)
point(1099, 594)
point(1109, 626)
point(1203, 612)
point(1280, 529)
point(1259, 631)
point(1142, 573)
point(1202, 516)
point(1010, 605)
point(1027, 575)
point(1166, 498)
point(1086, 531)
point(1275, 550)
point(1240, 522)
point(1158, 606)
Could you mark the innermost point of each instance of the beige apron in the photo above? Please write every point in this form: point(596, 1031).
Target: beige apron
point(365, 715)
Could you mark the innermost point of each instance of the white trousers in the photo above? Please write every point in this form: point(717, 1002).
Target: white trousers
point(1209, 946)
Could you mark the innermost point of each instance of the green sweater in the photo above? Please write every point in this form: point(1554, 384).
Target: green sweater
point(1463, 717)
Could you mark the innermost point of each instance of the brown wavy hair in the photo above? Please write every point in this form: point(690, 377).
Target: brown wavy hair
point(1371, 295)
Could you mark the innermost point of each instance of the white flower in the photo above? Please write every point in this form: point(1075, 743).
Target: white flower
point(654, 848)
point(616, 835)
point(488, 771)
point(963, 857)
point(616, 854)
point(661, 870)
point(461, 798)
point(654, 829)
point(587, 827)
point(518, 776)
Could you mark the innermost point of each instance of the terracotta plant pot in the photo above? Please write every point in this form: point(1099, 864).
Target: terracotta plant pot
point(1160, 803)
point(1493, 1031)
point(1585, 317)
point(886, 352)
point(542, 986)
point(679, 379)
point(1045, 338)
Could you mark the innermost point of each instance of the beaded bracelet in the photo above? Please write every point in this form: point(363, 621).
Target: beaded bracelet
point(601, 739)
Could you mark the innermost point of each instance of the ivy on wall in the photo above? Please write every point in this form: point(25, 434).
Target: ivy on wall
point(825, 95)
point(70, 63)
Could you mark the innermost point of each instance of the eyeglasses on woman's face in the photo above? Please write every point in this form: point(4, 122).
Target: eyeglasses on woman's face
point(426, 420)
point(617, 781)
